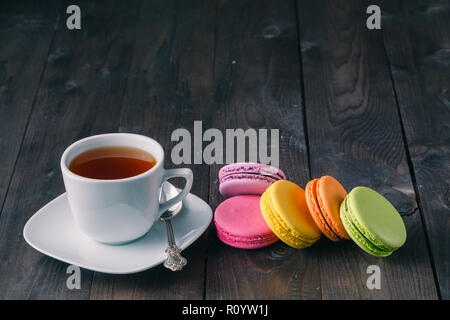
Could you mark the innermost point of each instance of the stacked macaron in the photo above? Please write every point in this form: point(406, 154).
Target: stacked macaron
point(247, 178)
point(239, 223)
point(238, 220)
point(264, 207)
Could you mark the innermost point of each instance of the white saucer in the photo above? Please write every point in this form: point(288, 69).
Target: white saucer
point(53, 232)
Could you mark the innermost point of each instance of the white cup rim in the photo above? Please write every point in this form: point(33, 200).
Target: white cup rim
point(66, 171)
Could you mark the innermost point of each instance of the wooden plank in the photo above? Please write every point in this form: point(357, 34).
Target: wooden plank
point(355, 135)
point(417, 37)
point(26, 31)
point(80, 95)
point(257, 76)
point(170, 85)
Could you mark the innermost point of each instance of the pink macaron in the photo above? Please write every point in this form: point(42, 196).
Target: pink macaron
point(240, 224)
point(247, 178)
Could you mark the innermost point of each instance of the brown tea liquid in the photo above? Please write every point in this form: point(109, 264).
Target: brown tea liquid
point(110, 163)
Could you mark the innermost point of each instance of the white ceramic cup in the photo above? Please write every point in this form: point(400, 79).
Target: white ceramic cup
point(121, 210)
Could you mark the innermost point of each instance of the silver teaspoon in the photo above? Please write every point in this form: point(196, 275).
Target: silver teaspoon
point(174, 260)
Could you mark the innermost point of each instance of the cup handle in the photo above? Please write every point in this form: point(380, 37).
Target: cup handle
point(172, 173)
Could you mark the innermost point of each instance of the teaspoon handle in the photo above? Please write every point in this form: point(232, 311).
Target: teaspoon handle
point(170, 236)
point(174, 261)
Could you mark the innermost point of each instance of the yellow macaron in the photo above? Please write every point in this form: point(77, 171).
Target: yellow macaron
point(284, 208)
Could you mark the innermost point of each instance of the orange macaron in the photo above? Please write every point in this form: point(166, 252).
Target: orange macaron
point(323, 198)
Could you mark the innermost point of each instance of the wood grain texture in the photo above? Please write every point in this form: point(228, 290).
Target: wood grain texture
point(26, 31)
point(373, 113)
point(417, 38)
point(257, 81)
point(79, 95)
point(170, 85)
point(355, 135)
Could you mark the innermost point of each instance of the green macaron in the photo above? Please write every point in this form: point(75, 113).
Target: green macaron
point(372, 222)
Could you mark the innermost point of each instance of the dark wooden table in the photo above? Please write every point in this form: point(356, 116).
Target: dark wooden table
point(370, 107)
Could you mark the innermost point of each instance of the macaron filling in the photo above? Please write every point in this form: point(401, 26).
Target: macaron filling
point(245, 175)
point(364, 237)
point(243, 172)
